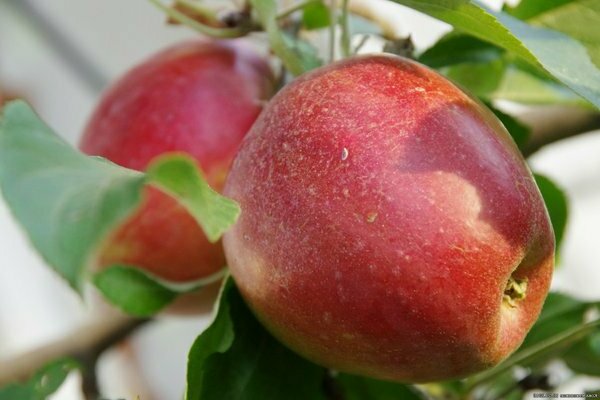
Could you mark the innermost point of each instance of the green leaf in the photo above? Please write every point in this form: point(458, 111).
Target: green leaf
point(497, 80)
point(530, 8)
point(481, 79)
point(360, 388)
point(456, 48)
point(562, 324)
point(519, 132)
point(564, 58)
point(580, 19)
point(236, 358)
point(45, 382)
point(179, 176)
point(557, 205)
point(316, 15)
point(584, 356)
point(522, 86)
point(499, 388)
point(561, 313)
point(287, 50)
point(65, 201)
point(490, 73)
point(557, 306)
point(133, 291)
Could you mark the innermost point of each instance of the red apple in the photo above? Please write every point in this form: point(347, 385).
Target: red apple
point(198, 97)
point(389, 226)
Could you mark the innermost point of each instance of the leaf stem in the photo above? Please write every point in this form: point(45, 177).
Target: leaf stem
point(530, 354)
point(295, 7)
point(223, 33)
point(267, 16)
point(332, 28)
point(199, 9)
point(346, 51)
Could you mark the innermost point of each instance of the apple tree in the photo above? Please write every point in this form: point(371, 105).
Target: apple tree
point(365, 225)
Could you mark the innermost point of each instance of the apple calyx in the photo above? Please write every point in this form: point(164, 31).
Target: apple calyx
point(515, 291)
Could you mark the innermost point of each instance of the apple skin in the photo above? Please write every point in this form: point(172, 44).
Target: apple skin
point(198, 97)
point(384, 211)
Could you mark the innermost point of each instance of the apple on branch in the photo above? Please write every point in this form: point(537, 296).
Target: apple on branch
point(199, 97)
point(389, 226)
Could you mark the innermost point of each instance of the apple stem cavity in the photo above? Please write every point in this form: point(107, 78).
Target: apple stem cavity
point(515, 291)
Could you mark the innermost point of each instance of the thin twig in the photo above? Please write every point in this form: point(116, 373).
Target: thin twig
point(223, 33)
point(85, 345)
point(200, 9)
point(551, 124)
point(361, 43)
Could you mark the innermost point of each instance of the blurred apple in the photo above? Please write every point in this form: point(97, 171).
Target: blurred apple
point(198, 97)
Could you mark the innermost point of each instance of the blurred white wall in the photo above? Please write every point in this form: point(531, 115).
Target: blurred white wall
point(36, 306)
